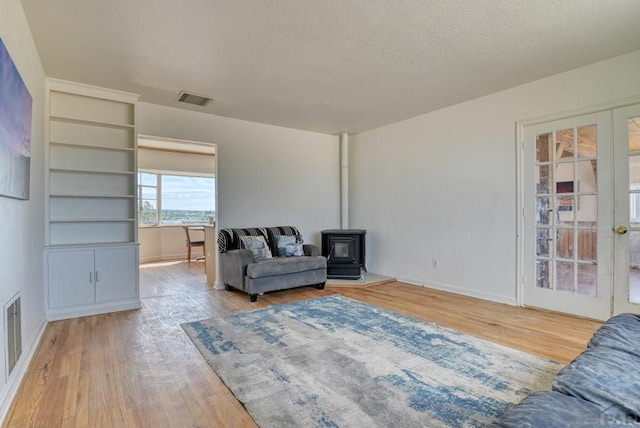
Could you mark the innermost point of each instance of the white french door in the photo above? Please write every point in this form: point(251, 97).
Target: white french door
point(626, 165)
point(581, 214)
point(568, 215)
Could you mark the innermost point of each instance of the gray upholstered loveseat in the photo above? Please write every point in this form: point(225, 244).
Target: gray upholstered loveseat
point(242, 269)
point(600, 388)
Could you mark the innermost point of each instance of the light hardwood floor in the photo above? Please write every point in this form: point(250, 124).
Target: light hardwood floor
point(139, 369)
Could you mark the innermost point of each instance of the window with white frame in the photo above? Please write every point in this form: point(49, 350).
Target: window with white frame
point(170, 199)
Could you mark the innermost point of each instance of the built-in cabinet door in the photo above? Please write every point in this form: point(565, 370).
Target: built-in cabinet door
point(89, 281)
point(115, 272)
point(71, 278)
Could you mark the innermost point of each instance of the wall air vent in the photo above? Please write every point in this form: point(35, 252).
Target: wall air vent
point(13, 333)
point(189, 98)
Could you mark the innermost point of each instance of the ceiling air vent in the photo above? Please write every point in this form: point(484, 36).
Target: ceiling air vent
point(199, 100)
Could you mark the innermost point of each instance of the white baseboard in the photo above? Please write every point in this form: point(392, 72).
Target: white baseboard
point(167, 258)
point(94, 309)
point(463, 291)
point(11, 388)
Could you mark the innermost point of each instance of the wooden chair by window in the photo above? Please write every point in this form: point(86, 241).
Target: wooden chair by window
point(193, 242)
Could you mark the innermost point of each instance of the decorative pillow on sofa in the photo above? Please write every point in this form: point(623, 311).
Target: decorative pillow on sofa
point(258, 246)
point(289, 246)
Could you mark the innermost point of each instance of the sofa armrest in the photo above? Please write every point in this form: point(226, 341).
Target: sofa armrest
point(311, 250)
point(234, 264)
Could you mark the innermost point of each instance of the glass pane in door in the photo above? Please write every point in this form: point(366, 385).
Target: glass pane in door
point(564, 144)
point(543, 211)
point(543, 148)
point(564, 243)
point(542, 243)
point(543, 274)
point(587, 245)
point(587, 210)
point(587, 147)
point(587, 279)
point(564, 276)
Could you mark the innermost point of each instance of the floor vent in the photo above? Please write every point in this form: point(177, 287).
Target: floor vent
point(13, 323)
point(199, 100)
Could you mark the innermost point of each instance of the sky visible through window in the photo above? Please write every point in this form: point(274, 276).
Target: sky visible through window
point(190, 193)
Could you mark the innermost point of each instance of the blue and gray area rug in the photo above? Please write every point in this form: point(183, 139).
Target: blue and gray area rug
point(336, 362)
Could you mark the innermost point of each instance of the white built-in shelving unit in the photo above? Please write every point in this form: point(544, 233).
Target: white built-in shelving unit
point(92, 250)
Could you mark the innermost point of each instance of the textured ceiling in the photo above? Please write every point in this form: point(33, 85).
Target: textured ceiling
point(325, 65)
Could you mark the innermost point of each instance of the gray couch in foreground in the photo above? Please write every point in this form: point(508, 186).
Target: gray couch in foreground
point(242, 270)
point(600, 388)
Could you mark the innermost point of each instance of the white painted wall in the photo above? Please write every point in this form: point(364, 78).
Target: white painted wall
point(267, 175)
point(443, 185)
point(22, 222)
point(165, 242)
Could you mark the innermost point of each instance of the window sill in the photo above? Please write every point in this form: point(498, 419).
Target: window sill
point(155, 226)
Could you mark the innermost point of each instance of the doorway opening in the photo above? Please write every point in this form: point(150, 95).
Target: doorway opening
point(176, 189)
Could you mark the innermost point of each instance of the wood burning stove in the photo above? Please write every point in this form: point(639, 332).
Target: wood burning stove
point(345, 253)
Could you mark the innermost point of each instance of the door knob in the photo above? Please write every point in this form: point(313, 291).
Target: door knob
point(621, 230)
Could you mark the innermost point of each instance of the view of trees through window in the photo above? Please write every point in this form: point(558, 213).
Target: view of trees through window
point(175, 199)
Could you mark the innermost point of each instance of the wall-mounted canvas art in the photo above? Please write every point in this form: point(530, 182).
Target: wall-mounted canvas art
point(15, 130)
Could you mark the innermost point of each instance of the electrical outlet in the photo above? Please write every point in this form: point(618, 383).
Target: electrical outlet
point(436, 263)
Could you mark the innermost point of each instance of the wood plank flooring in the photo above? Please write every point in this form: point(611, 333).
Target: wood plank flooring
point(139, 369)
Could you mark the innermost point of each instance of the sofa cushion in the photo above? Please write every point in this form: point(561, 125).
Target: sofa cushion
point(248, 231)
point(258, 246)
point(621, 332)
point(229, 239)
point(284, 265)
point(289, 246)
point(605, 376)
point(552, 409)
point(272, 232)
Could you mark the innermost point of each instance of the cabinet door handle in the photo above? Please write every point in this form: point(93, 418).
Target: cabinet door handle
point(90, 277)
point(97, 276)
